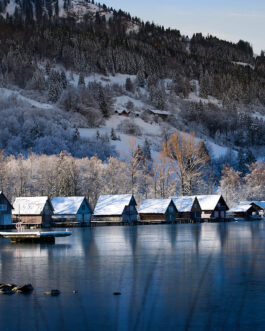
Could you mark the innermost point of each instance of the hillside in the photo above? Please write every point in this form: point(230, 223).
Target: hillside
point(69, 65)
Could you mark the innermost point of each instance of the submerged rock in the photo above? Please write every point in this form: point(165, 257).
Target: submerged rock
point(7, 288)
point(27, 288)
point(53, 293)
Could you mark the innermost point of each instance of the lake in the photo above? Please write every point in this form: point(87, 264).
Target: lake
point(171, 277)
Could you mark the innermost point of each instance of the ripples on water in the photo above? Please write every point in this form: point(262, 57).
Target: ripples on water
point(172, 277)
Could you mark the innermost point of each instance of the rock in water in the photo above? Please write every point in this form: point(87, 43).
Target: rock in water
point(116, 293)
point(25, 289)
point(53, 293)
point(7, 288)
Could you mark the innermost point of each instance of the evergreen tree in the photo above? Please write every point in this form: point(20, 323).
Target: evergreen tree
point(129, 85)
point(140, 78)
point(103, 106)
point(81, 81)
point(63, 80)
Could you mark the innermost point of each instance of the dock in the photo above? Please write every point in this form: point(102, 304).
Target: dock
point(34, 237)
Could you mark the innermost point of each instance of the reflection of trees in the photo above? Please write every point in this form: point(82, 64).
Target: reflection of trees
point(255, 229)
point(196, 235)
point(172, 231)
point(222, 232)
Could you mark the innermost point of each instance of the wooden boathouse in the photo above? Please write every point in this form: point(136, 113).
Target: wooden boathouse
point(188, 208)
point(213, 207)
point(5, 211)
point(33, 211)
point(71, 210)
point(157, 210)
point(117, 208)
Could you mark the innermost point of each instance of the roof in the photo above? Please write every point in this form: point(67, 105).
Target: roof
point(242, 207)
point(261, 204)
point(67, 205)
point(29, 205)
point(208, 202)
point(154, 206)
point(1, 193)
point(184, 204)
point(112, 204)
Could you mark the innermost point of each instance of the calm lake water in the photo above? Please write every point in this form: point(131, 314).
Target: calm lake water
point(172, 277)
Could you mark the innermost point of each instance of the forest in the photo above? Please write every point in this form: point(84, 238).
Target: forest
point(202, 85)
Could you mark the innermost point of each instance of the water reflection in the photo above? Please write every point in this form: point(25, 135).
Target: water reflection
point(188, 276)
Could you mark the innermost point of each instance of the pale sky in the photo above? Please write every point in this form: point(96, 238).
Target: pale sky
point(230, 20)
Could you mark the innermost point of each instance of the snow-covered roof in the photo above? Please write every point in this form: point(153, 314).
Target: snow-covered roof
point(208, 202)
point(184, 204)
point(154, 206)
point(261, 204)
point(112, 204)
point(29, 205)
point(67, 205)
point(159, 112)
point(242, 207)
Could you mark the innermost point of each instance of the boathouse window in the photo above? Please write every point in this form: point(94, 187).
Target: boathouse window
point(3, 207)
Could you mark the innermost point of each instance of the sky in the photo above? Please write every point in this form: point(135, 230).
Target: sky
point(230, 20)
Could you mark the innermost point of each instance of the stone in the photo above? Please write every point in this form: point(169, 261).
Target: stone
point(25, 289)
point(53, 293)
point(6, 288)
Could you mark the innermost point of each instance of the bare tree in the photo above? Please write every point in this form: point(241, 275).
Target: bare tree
point(186, 158)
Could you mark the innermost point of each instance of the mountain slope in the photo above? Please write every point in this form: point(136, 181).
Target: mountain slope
point(96, 65)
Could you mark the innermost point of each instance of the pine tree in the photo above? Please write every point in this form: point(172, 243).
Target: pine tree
point(140, 78)
point(63, 80)
point(81, 81)
point(76, 135)
point(146, 150)
point(129, 85)
point(113, 135)
point(250, 158)
point(103, 106)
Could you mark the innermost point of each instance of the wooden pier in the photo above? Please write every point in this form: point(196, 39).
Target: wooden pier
point(34, 237)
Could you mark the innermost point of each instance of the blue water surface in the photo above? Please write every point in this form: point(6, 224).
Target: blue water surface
point(171, 277)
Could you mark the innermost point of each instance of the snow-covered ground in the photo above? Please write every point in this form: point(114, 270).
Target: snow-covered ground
point(77, 10)
point(151, 132)
point(119, 79)
point(4, 92)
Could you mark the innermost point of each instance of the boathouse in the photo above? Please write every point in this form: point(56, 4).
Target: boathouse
point(115, 208)
point(261, 204)
point(188, 207)
point(157, 210)
point(5, 210)
point(246, 210)
point(33, 211)
point(213, 207)
point(71, 209)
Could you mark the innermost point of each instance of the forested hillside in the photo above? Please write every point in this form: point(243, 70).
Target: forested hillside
point(80, 77)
